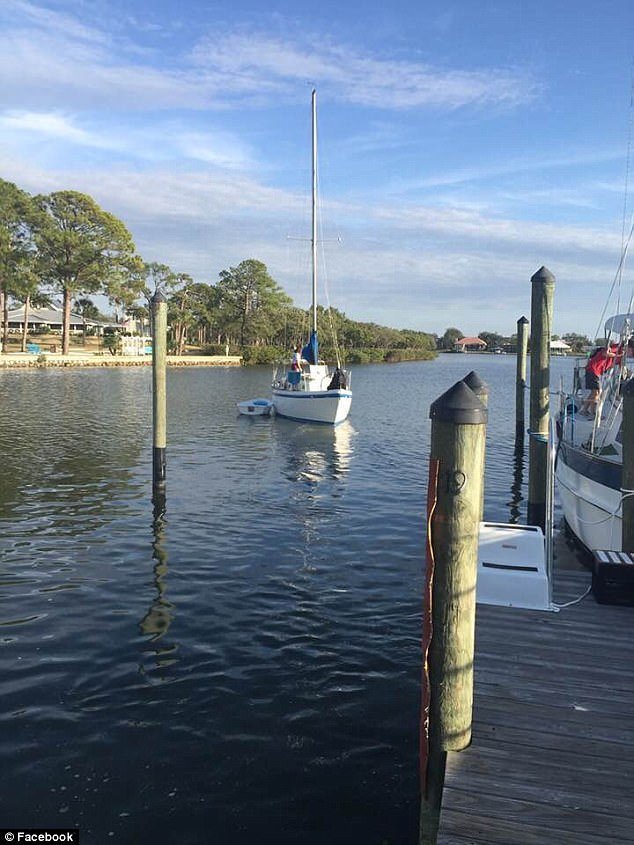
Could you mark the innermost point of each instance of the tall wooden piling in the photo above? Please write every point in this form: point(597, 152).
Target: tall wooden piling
point(481, 390)
point(520, 378)
point(627, 481)
point(543, 287)
point(159, 397)
point(453, 514)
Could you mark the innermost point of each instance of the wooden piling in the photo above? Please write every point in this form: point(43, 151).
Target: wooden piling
point(159, 397)
point(479, 387)
point(520, 378)
point(543, 286)
point(481, 390)
point(627, 480)
point(453, 514)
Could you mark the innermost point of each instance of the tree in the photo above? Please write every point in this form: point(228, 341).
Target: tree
point(156, 277)
point(577, 342)
point(87, 309)
point(126, 284)
point(27, 289)
point(179, 311)
point(193, 308)
point(83, 249)
point(251, 303)
point(451, 335)
point(17, 250)
point(493, 340)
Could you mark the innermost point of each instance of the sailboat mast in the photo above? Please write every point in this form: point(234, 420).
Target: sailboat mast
point(313, 238)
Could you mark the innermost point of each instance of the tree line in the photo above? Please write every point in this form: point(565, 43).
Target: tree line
point(64, 244)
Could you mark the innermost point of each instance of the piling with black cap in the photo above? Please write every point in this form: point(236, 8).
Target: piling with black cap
point(159, 397)
point(542, 291)
point(520, 378)
point(627, 481)
point(481, 390)
point(458, 437)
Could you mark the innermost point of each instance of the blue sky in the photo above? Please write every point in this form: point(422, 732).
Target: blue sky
point(462, 144)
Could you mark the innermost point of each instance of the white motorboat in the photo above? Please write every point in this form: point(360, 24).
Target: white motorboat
point(316, 393)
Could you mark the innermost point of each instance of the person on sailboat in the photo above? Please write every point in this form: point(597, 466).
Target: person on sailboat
point(601, 360)
point(296, 363)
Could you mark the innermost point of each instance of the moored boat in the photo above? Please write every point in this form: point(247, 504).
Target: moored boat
point(255, 407)
point(590, 451)
point(315, 392)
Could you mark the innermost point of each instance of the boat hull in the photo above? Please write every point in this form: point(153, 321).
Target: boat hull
point(589, 490)
point(255, 407)
point(320, 406)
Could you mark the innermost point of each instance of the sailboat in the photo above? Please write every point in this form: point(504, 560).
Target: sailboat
point(589, 464)
point(316, 393)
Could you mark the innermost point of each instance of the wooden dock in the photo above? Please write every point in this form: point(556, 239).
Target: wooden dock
point(552, 756)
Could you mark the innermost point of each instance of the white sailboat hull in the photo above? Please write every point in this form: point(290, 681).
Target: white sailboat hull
point(320, 406)
point(591, 509)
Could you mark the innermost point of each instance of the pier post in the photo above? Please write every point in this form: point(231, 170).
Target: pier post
point(627, 481)
point(520, 378)
point(481, 390)
point(458, 437)
point(159, 398)
point(543, 286)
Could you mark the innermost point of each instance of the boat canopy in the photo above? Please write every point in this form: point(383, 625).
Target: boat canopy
point(615, 324)
point(310, 352)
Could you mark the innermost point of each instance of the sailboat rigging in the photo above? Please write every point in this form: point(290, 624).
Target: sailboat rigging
point(589, 467)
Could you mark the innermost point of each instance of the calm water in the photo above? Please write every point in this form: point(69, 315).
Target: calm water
point(249, 671)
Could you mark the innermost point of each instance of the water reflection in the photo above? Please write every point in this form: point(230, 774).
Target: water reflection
point(317, 453)
point(517, 498)
point(158, 619)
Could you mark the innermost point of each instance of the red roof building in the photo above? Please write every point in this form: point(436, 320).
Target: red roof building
point(470, 344)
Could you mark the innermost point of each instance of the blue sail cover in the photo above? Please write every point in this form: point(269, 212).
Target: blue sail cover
point(310, 352)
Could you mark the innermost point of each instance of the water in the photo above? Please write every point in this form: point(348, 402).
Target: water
point(249, 669)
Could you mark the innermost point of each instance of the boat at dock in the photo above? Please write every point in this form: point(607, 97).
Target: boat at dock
point(589, 464)
point(316, 392)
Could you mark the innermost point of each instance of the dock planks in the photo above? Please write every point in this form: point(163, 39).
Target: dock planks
point(552, 756)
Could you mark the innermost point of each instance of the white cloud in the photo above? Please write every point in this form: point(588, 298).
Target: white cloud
point(357, 78)
point(163, 140)
point(45, 123)
point(47, 57)
point(409, 267)
point(51, 21)
point(510, 167)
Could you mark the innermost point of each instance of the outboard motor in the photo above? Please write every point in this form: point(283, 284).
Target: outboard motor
point(338, 380)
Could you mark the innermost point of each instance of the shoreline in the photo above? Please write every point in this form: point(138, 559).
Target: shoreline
point(18, 360)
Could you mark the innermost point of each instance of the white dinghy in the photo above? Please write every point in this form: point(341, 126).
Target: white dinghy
point(255, 407)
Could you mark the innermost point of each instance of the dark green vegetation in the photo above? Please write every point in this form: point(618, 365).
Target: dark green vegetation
point(64, 244)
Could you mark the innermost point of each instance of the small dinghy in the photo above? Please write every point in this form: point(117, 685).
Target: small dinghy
point(255, 407)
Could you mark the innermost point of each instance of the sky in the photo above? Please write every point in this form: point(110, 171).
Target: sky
point(462, 145)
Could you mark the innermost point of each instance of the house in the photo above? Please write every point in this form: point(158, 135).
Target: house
point(470, 344)
point(559, 347)
point(51, 318)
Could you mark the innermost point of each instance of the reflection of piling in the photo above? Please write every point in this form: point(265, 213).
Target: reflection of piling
point(543, 286)
point(520, 378)
point(157, 620)
point(453, 515)
point(159, 395)
point(627, 483)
